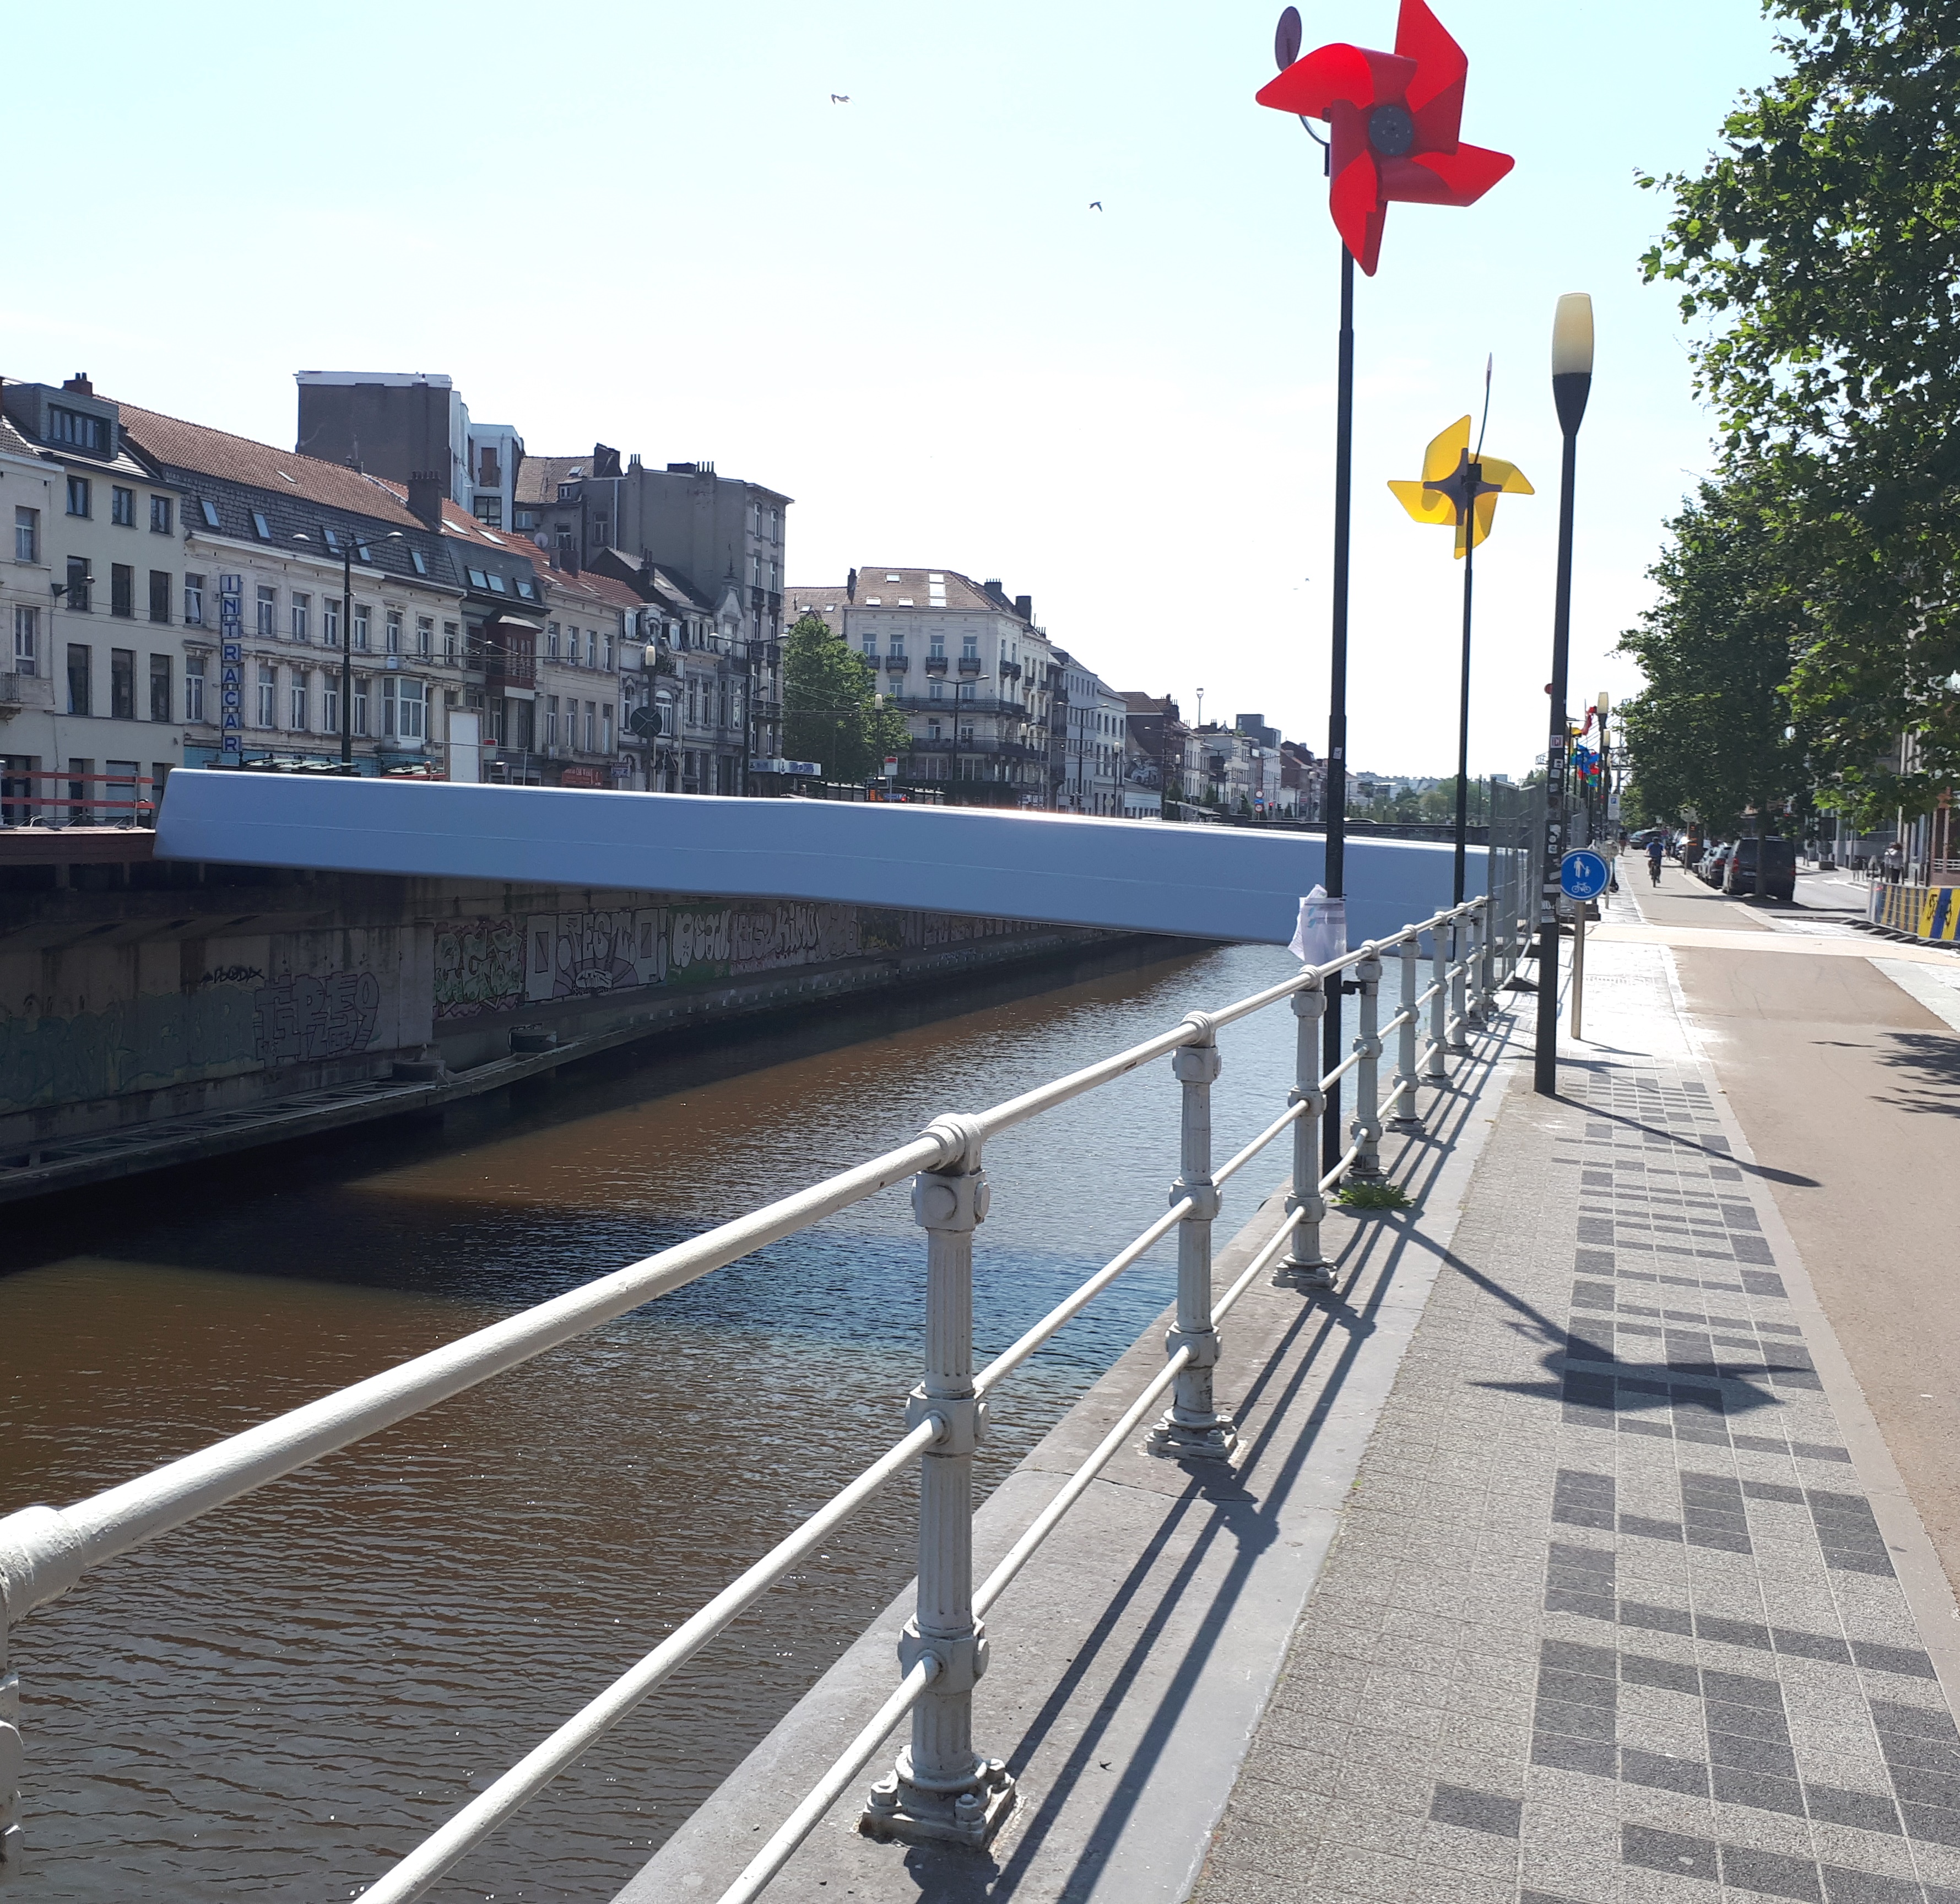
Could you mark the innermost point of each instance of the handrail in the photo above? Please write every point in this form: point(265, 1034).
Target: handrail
point(44, 1551)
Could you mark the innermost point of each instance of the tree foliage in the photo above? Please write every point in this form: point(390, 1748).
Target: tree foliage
point(1712, 732)
point(1821, 247)
point(832, 712)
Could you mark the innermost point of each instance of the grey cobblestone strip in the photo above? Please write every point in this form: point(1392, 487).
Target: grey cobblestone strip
point(1609, 1620)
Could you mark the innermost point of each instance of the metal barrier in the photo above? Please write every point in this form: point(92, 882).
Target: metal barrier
point(941, 1786)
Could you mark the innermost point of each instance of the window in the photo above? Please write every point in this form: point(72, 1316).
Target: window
point(122, 684)
point(361, 630)
point(551, 640)
point(332, 540)
point(296, 702)
point(937, 651)
point(449, 642)
point(600, 525)
point(412, 722)
point(302, 618)
point(524, 519)
point(26, 535)
point(424, 635)
point(605, 726)
point(421, 561)
point(329, 620)
point(160, 515)
point(550, 720)
point(932, 731)
point(260, 526)
point(329, 702)
point(194, 686)
point(209, 510)
point(160, 595)
point(693, 704)
point(935, 689)
point(79, 812)
point(497, 584)
point(122, 506)
point(268, 694)
point(360, 704)
point(122, 590)
point(392, 632)
point(78, 427)
point(193, 601)
point(26, 641)
point(591, 724)
point(160, 697)
point(490, 512)
point(567, 491)
point(477, 579)
point(609, 649)
point(591, 648)
point(77, 496)
point(969, 648)
point(527, 588)
point(269, 613)
point(966, 690)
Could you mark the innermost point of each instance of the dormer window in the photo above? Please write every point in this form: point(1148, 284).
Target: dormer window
point(477, 579)
point(332, 540)
point(78, 429)
point(260, 526)
point(209, 510)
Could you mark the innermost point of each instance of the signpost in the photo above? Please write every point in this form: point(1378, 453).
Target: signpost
point(1583, 875)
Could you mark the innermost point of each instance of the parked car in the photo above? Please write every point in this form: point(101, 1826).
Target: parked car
point(1738, 873)
point(1713, 862)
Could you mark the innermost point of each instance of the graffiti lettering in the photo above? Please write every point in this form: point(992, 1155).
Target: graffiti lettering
point(306, 1017)
point(479, 966)
point(231, 975)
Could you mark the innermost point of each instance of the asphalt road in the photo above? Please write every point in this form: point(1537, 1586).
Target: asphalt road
point(1848, 1089)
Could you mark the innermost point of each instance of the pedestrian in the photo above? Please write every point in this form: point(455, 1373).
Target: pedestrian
point(1892, 862)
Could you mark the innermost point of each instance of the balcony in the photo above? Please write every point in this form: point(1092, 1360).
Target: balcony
point(969, 664)
point(935, 664)
point(895, 664)
point(19, 691)
point(1010, 671)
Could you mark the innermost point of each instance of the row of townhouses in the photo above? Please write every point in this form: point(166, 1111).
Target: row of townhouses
point(411, 592)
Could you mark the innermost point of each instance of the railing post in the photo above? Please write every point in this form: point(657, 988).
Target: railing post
point(1476, 999)
point(13, 1759)
point(942, 1788)
point(1461, 927)
point(1192, 1428)
point(1408, 1109)
point(1433, 1065)
point(1366, 1129)
point(1305, 1267)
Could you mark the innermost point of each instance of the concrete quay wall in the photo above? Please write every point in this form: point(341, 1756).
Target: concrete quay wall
point(136, 993)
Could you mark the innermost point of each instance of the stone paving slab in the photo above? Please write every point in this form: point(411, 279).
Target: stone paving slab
point(1619, 1612)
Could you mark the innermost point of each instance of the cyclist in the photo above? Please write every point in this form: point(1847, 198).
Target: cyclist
point(1654, 848)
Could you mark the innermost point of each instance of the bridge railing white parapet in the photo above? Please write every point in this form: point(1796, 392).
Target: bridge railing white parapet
point(942, 1787)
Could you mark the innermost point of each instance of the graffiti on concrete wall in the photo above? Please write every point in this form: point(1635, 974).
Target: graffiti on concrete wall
point(304, 1017)
point(479, 966)
point(500, 964)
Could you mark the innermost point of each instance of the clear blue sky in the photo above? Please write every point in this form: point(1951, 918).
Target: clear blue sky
point(649, 225)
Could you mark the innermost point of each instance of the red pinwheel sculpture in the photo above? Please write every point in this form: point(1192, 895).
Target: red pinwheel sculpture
point(1394, 118)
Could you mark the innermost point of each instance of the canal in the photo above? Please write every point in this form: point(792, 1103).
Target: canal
point(279, 1700)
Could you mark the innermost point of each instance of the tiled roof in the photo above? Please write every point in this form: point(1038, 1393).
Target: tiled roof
point(539, 476)
point(198, 450)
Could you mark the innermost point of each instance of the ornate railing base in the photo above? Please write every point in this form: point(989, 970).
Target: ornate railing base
point(899, 1811)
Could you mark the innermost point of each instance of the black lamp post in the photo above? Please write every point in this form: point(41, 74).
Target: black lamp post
point(1571, 384)
point(347, 638)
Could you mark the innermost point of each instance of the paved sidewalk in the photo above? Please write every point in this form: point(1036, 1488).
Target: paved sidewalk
point(1624, 1606)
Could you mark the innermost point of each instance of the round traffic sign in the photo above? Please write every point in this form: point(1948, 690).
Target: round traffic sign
point(1583, 874)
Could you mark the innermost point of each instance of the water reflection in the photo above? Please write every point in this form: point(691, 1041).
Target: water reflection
point(294, 1691)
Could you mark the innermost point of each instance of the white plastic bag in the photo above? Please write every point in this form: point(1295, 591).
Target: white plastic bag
point(1321, 934)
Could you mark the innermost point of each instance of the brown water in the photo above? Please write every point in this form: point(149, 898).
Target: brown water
point(276, 1701)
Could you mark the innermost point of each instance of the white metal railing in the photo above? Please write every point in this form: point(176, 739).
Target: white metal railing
point(942, 1787)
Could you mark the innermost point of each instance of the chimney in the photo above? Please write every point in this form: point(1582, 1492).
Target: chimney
point(1024, 606)
point(426, 498)
point(80, 384)
point(633, 463)
point(850, 586)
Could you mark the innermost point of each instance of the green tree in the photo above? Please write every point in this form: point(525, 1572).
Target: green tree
point(1820, 245)
point(1712, 732)
point(832, 713)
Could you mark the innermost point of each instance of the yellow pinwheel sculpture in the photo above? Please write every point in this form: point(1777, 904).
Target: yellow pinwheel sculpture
point(1459, 488)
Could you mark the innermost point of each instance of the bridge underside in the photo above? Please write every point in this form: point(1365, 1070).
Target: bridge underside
point(1200, 882)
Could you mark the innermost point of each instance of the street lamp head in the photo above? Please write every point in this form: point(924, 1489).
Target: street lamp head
point(1605, 703)
point(1572, 358)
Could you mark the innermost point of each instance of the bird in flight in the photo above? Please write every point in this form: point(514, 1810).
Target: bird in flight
point(840, 99)
point(1095, 205)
